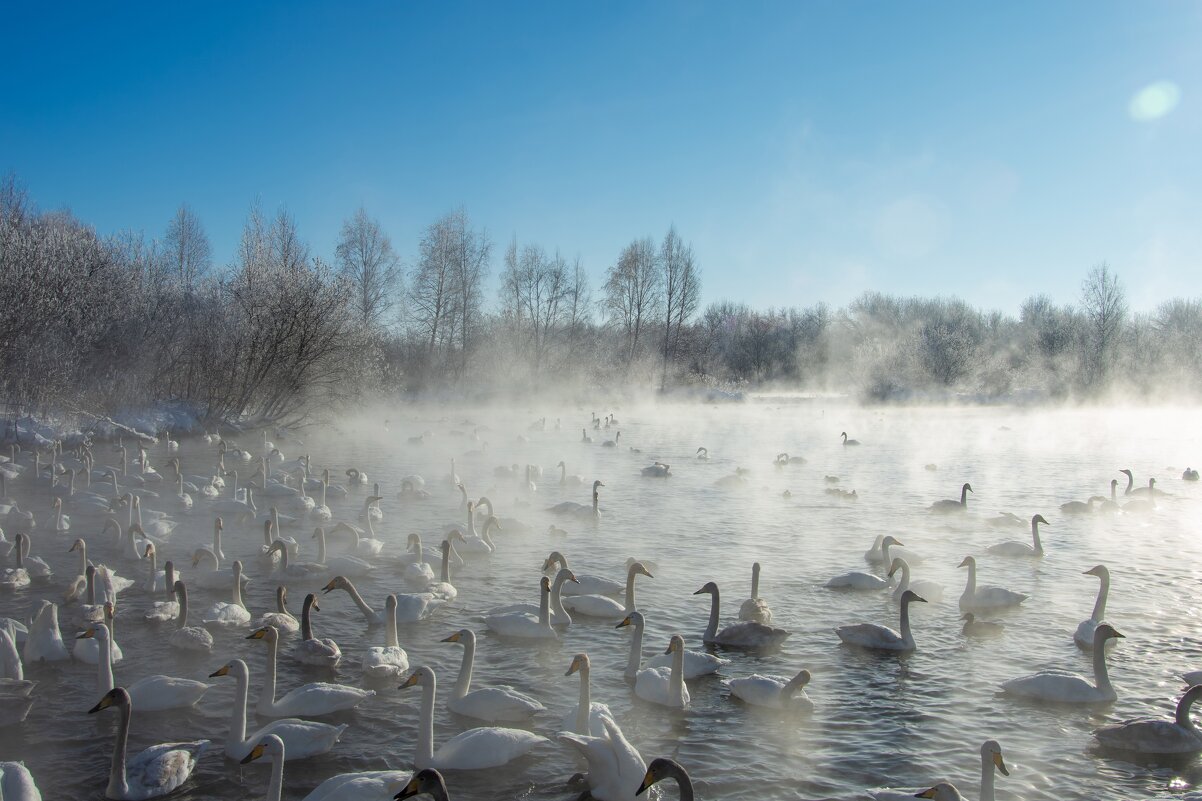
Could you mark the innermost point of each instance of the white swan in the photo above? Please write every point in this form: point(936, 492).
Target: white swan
point(954, 507)
point(388, 660)
point(281, 618)
point(1013, 548)
point(188, 638)
point(1146, 503)
point(1154, 735)
point(696, 663)
point(1070, 688)
point(976, 599)
point(474, 749)
point(857, 580)
point(991, 760)
point(614, 765)
point(88, 650)
point(149, 694)
point(524, 625)
point(881, 638)
point(579, 510)
point(211, 575)
point(344, 564)
point(773, 692)
point(755, 608)
point(310, 650)
point(44, 643)
point(17, 784)
point(745, 634)
point(35, 567)
point(929, 590)
point(587, 716)
point(321, 512)
point(411, 607)
point(665, 686)
point(229, 614)
point(601, 606)
point(312, 699)
point(558, 615)
point(585, 583)
point(157, 771)
point(443, 588)
point(363, 543)
point(370, 785)
point(566, 480)
point(1084, 634)
point(489, 704)
point(302, 738)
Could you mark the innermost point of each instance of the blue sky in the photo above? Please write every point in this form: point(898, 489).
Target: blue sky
point(809, 150)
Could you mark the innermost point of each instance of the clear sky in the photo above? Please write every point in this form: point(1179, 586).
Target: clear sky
point(809, 150)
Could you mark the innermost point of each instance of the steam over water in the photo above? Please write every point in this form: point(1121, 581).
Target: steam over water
point(879, 721)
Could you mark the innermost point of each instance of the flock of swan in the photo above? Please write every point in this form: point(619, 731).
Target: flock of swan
point(134, 511)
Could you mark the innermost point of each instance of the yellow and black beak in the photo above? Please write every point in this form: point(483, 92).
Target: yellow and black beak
point(928, 793)
point(453, 638)
point(412, 680)
point(328, 587)
point(648, 780)
point(104, 703)
point(625, 622)
point(258, 634)
point(410, 789)
point(1000, 764)
point(224, 670)
point(91, 632)
point(255, 753)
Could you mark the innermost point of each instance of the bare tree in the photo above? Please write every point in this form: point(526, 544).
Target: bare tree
point(534, 290)
point(682, 290)
point(365, 256)
point(632, 292)
point(431, 285)
point(1105, 305)
point(473, 252)
point(187, 247)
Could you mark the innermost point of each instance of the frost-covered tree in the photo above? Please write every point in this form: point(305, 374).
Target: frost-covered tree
point(365, 257)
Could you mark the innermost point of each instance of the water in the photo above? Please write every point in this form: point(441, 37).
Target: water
point(879, 721)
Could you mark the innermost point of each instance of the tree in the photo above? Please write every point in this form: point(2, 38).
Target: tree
point(430, 285)
point(534, 288)
point(365, 257)
point(1105, 306)
point(632, 292)
point(187, 247)
point(682, 292)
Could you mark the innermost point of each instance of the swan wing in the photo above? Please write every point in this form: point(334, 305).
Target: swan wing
point(757, 690)
point(749, 634)
point(302, 738)
point(488, 747)
point(857, 581)
point(161, 769)
point(595, 606)
point(496, 703)
point(320, 698)
point(385, 660)
point(869, 635)
point(1150, 736)
point(157, 693)
point(1051, 685)
point(696, 663)
point(372, 785)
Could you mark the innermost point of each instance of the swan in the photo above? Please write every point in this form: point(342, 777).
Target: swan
point(1070, 688)
point(428, 782)
point(1112, 505)
point(579, 510)
point(929, 590)
point(474, 749)
point(88, 650)
point(388, 660)
point(287, 569)
point(657, 470)
point(601, 606)
point(991, 760)
point(1148, 490)
point(857, 580)
point(302, 738)
point(584, 437)
point(524, 625)
point(211, 576)
point(17, 784)
point(321, 512)
point(160, 526)
point(566, 480)
point(355, 476)
point(587, 716)
point(151, 693)
point(1189, 474)
point(1021, 548)
point(371, 785)
point(961, 505)
point(745, 634)
point(885, 549)
point(181, 499)
point(155, 772)
point(585, 584)
point(157, 581)
point(473, 544)
point(980, 628)
point(44, 643)
point(1084, 634)
point(774, 692)
point(229, 614)
point(15, 578)
point(559, 616)
point(696, 663)
point(443, 588)
point(489, 704)
point(1154, 735)
point(1077, 507)
point(663, 768)
point(371, 507)
point(735, 480)
point(188, 638)
point(311, 700)
point(106, 579)
point(1143, 505)
point(281, 619)
point(755, 608)
point(665, 686)
point(361, 545)
point(847, 441)
point(613, 763)
point(976, 599)
point(344, 564)
point(62, 523)
point(324, 652)
point(411, 607)
point(881, 638)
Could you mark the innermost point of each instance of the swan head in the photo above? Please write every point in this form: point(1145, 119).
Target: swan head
point(1114, 482)
point(709, 587)
point(1104, 632)
point(909, 596)
point(556, 558)
point(597, 483)
point(890, 540)
point(1101, 571)
point(390, 603)
point(966, 488)
point(675, 645)
point(991, 751)
point(545, 584)
point(311, 602)
point(336, 583)
point(97, 631)
point(149, 550)
point(422, 675)
point(796, 683)
point(897, 564)
point(268, 633)
point(660, 768)
point(78, 545)
point(116, 696)
point(944, 791)
point(428, 781)
point(1039, 519)
point(638, 569)
point(1127, 473)
point(1151, 483)
point(968, 618)
point(633, 619)
point(237, 668)
point(968, 562)
point(580, 663)
point(270, 745)
point(459, 636)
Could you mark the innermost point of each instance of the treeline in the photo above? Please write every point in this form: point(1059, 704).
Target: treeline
point(101, 323)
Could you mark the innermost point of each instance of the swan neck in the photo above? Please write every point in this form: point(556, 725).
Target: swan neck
point(321, 547)
point(676, 679)
point(425, 734)
point(755, 580)
point(367, 611)
point(1183, 709)
point(987, 793)
point(711, 628)
point(544, 609)
point(907, 636)
point(267, 693)
point(183, 609)
point(118, 785)
point(1035, 537)
point(238, 586)
point(555, 607)
point(104, 673)
point(1099, 605)
point(1101, 674)
point(276, 788)
point(238, 716)
point(445, 573)
point(585, 704)
point(630, 590)
point(465, 667)
point(390, 638)
point(306, 625)
point(636, 652)
point(971, 588)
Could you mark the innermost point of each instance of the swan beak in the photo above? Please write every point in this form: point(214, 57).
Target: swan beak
point(89, 633)
point(257, 635)
point(254, 754)
point(104, 703)
point(573, 667)
point(572, 578)
point(670, 649)
point(453, 638)
point(221, 671)
point(964, 563)
point(328, 587)
point(410, 789)
point(926, 793)
point(625, 622)
point(999, 764)
point(315, 607)
point(648, 780)
point(412, 680)
point(700, 591)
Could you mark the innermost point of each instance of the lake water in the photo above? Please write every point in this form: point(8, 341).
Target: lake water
point(879, 720)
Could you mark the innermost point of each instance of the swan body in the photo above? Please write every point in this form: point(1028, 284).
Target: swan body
point(614, 765)
point(746, 634)
point(524, 625)
point(1084, 634)
point(657, 470)
point(475, 749)
point(585, 583)
point(489, 704)
point(665, 686)
point(44, 642)
point(881, 638)
point(229, 614)
point(953, 507)
point(601, 606)
point(755, 608)
point(188, 638)
point(975, 599)
point(16, 783)
point(1035, 549)
point(856, 580)
point(696, 663)
point(388, 660)
point(1154, 735)
point(302, 738)
point(773, 692)
point(1069, 688)
point(311, 700)
point(579, 510)
point(157, 771)
point(310, 650)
